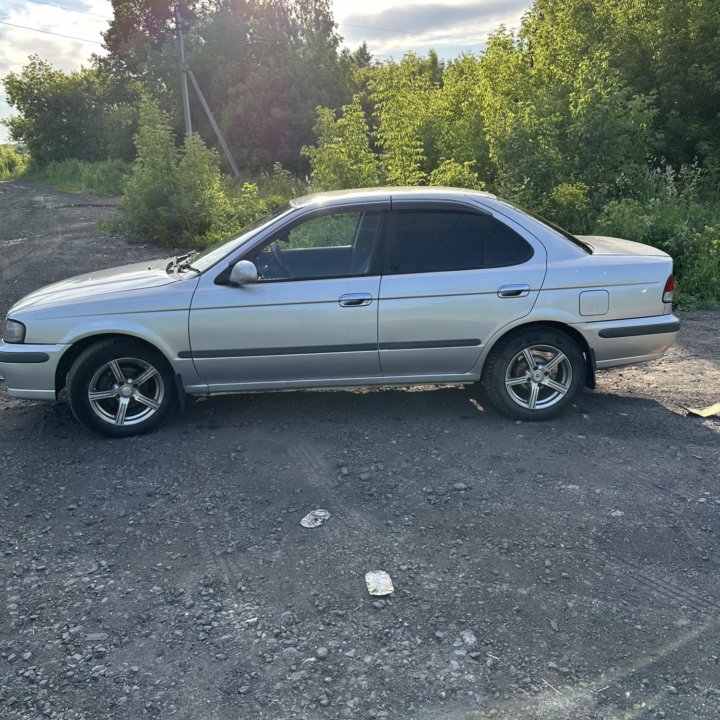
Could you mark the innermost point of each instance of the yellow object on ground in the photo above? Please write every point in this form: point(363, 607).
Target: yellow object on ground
point(705, 412)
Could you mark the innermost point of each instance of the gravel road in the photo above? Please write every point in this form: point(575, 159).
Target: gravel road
point(566, 570)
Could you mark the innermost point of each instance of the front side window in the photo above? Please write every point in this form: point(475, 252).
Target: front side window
point(446, 240)
point(339, 245)
point(207, 258)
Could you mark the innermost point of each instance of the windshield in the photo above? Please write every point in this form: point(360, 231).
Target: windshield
point(567, 235)
point(213, 254)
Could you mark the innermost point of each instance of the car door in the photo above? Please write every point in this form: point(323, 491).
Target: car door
point(310, 317)
point(453, 275)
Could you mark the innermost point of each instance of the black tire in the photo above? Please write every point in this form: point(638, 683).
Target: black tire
point(509, 382)
point(128, 408)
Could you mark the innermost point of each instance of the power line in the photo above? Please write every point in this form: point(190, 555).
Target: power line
point(97, 42)
point(49, 32)
point(62, 7)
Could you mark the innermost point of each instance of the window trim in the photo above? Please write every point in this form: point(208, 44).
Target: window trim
point(381, 206)
point(586, 247)
point(441, 207)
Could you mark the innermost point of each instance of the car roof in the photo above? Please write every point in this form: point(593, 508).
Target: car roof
point(360, 195)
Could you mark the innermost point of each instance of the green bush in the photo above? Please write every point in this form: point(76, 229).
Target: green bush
point(568, 205)
point(699, 269)
point(175, 196)
point(343, 157)
point(12, 163)
point(672, 212)
point(65, 175)
point(200, 205)
point(625, 218)
point(454, 174)
point(148, 200)
point(279, 186)
point(107, 177)
point(246, 205)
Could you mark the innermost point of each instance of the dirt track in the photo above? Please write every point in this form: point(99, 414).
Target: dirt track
point(565, 570)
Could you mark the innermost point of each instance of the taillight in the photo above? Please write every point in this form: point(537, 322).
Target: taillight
point(668, 291)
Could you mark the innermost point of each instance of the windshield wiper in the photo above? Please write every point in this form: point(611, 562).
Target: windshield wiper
point(182, 262)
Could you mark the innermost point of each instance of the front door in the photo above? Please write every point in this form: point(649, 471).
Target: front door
point(453, 276)
point(312, 315)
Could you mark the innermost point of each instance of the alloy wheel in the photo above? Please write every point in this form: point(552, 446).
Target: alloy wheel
point(126, 391)
point(538, 377)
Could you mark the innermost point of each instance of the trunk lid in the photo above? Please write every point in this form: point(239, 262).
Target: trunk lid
point(602, 245)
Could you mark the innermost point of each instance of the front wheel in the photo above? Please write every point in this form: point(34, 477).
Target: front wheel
point(534, 374)
point(120, 388)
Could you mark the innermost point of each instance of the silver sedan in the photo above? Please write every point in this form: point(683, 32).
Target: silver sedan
point(394, 286)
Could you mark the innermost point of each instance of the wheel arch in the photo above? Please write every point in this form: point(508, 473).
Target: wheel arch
point(74, 351)
point(577, 336)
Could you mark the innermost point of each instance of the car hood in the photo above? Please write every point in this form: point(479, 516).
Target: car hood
point(137, 276)
point(615, 246)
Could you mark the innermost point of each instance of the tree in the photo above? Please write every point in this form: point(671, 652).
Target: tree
point(140, 27)
point(342, 157)
point(263, 65)
point(664, 50)
point(60, 114)
point(402, 93)
point(174, 195)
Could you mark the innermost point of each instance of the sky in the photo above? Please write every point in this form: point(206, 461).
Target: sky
point(390, 28)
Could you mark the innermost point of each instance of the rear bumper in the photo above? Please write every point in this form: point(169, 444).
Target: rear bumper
point(29, 370)
point(627, 342)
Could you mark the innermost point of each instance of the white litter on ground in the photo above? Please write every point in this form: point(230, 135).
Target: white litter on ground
point(379, 583)
point(315, 518)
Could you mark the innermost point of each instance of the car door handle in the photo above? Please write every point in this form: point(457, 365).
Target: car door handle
point(355, 299)
point(512, 291)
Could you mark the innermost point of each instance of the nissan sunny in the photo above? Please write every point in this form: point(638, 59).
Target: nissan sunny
point(393, 286)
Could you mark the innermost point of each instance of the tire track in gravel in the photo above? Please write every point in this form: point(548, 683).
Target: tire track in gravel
point(665, 588)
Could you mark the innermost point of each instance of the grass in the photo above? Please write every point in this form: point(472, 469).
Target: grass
point(106, 177)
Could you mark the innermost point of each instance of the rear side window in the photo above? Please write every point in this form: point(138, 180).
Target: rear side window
point(444, 240)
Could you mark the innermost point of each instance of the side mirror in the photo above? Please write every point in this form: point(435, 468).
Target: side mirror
point(244, 272)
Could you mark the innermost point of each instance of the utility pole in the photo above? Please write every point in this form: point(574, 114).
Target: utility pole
point(183, 75)
point(210, 117)
point(184, 72)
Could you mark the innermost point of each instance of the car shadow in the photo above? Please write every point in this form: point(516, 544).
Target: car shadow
point(432, 408)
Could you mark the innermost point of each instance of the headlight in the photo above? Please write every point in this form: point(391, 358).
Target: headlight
point(13, 332)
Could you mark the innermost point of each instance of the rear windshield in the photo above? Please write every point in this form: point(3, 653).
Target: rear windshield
point(561, 231)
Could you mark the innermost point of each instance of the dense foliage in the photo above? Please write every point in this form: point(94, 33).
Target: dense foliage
point(176, 196)
point(77, 115)
point(12, 163)
point(263, 65)
point(602, 114)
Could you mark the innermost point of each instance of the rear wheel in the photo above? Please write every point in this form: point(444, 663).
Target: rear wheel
point(120, 388)
point(534, 374)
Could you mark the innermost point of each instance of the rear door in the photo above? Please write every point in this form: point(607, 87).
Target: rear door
point(452, 276)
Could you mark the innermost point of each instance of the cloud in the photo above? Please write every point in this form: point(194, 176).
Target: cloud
point(16, 45)
point(421, 25)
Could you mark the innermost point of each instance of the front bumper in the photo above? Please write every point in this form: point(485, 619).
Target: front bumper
point(29, 370)
point(627, 342)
